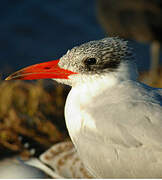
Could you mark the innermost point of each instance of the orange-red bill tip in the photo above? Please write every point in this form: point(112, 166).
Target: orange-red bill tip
point(46, 70)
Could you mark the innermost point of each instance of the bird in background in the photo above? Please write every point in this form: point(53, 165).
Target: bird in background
point(139, 20)
point(114, 121)
point(59, 161)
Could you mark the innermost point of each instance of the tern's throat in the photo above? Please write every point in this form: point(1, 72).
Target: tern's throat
point(90, 86)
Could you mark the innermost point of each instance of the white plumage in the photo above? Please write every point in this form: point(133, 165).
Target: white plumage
point(124, 136)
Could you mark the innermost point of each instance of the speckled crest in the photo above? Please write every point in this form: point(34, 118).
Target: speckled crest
point(108, 52)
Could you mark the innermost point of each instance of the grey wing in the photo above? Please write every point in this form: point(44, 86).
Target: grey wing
point(127, 138)
point(147, 118)
point(131, 123)
point(128, 146)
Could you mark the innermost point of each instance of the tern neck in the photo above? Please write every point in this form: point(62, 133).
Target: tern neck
point(89, 86)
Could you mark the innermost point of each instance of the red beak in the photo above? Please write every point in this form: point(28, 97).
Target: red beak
point(46, 70)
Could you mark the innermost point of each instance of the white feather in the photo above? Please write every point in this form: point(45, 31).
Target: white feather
point(116, 126)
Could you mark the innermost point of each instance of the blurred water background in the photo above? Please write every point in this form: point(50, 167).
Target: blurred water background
point(35, 31)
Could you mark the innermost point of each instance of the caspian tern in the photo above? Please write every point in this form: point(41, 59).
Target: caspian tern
point(114, 121)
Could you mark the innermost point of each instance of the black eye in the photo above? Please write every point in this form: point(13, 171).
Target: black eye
point(90, 61)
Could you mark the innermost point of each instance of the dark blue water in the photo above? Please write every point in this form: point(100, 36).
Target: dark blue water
point(32, 31)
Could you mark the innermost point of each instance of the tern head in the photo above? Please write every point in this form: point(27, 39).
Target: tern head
point(105, 57)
